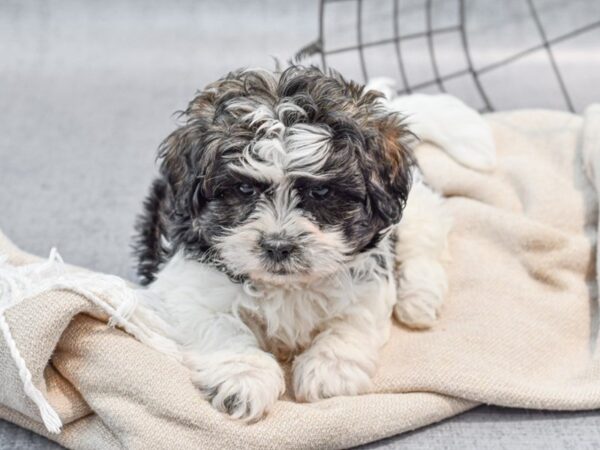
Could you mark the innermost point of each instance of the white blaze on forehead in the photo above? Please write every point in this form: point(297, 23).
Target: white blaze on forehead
point(268, 124)
point(263, 160)
point(300, 148)
point(307, 147)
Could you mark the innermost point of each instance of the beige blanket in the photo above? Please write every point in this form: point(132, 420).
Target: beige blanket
point(518, 328)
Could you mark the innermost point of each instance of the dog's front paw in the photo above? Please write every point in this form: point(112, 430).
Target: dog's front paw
point(422, 287)
point(244, 386)
point(418, 309)
point(317, 376)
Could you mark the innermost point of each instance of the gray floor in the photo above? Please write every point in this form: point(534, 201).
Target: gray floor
point(86, 93)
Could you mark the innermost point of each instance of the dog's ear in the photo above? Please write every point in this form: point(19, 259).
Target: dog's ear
point(184, 154)
point(387, 157)
point(391, 161)
point(174, 154)
point(177, 154)
point(189, 154)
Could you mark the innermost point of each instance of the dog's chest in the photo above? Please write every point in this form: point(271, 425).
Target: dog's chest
point(286, 320)
point(289, 318)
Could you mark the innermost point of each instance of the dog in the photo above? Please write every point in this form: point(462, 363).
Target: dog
point(289, 223)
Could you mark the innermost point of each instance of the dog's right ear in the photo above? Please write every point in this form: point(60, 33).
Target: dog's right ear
point(183, 154)
point(174, 153)
point(185, 163)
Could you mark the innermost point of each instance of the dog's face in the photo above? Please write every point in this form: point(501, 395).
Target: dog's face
point(288, 177)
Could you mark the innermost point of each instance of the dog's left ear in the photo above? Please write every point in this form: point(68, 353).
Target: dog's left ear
point(389, 181)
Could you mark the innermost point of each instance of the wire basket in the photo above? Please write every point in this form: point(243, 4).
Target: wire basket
point(492, 54)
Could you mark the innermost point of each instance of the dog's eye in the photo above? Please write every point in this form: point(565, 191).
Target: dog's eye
point(319, 192)
point(247, 189)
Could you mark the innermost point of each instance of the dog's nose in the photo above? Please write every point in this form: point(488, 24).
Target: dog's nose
point(277, 249)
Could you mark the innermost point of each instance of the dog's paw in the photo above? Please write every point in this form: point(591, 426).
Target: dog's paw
point(317, 376)
point(418, 310)
point(422, 287)
point(244, 386)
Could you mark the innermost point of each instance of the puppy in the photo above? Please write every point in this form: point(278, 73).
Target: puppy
point(274, 232)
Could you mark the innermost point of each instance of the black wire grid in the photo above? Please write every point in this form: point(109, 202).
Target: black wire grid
point(320, 49)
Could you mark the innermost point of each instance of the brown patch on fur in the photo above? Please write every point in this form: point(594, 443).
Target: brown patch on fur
point(393, 133)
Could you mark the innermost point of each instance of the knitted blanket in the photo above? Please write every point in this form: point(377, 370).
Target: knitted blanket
point(519, 327)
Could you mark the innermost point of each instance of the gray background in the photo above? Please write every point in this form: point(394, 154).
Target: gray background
point(86, 94)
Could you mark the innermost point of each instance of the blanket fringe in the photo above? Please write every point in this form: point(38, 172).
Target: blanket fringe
point(109, 293)
point(49, 415)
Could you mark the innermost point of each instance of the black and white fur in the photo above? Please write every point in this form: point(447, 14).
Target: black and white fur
point(274, 232)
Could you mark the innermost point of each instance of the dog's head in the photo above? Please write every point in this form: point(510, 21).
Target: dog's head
point(287, 176)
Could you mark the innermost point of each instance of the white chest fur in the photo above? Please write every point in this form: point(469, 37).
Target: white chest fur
point(284, 318)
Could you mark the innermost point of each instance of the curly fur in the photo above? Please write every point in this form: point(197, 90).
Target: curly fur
point(274, 232)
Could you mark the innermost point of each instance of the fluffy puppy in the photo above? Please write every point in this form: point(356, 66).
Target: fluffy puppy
point(274, 232)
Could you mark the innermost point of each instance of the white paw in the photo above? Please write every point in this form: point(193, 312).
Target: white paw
point(453, 126)
point(418, 310)
point(244, 386)
point(317, 376)
point(421, 290)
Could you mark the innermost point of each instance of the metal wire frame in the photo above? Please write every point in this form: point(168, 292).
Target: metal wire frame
point(318, 47)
